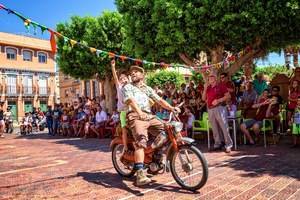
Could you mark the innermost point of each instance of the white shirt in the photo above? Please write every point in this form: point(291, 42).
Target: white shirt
point(190, 121)
point(101, 116)
point(120, 104)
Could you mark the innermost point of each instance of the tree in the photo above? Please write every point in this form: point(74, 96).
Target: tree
point(174, 30)
point(104, 32)
point(162, 77)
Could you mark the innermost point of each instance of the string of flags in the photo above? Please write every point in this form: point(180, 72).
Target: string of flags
point(102, 53)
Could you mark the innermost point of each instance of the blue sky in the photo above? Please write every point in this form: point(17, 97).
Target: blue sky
point(51, 12)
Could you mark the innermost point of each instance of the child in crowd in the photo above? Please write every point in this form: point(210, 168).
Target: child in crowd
point(231, 108)
point(114, 119)
point(190, 118)
point(65, 123)
point(295, 122)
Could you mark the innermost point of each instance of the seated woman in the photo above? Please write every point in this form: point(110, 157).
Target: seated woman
point(90, 122)
point(79, 122)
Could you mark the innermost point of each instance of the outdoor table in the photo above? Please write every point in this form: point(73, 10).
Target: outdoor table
point(233, 119)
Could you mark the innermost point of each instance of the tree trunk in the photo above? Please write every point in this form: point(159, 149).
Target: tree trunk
point(243, 60)
point(216, 54)
point(248, 69)
point(110, 95)
point(286, 57)
point(295, 59)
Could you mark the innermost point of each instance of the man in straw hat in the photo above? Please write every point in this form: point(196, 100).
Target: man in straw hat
point(139, 97)
point(216, 94)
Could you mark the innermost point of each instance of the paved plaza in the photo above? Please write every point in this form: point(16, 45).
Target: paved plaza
point(43, 167)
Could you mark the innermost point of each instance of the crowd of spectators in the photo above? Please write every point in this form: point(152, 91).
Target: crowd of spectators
point(255, 99)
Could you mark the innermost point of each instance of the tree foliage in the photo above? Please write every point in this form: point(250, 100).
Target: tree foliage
point(271, 71)
point(105, 32)
point(162, 77)
point(197, 77)
point(164, 29)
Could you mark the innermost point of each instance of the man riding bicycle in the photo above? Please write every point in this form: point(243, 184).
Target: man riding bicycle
point(138, 97)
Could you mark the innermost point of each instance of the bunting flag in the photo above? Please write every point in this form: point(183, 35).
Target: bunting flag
point(103, 54)
point(53, 41)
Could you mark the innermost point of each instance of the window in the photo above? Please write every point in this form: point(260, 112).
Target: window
point(27, 55)
point(43, 85)
point(27, 84)
point(11, 84)
point(11, 53)
point(42, 57)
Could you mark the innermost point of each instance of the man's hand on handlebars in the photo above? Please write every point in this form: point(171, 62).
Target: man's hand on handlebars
point(176, 110)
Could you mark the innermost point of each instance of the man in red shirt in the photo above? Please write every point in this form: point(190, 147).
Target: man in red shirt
point(266, 109)
point(216, 94)
point(229, 85)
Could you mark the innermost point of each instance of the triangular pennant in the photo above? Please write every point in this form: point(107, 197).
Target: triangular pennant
point(111, 55)
point(43, 28)
point(66, 39)
point(53, 42)
point(98, 52)
point(93, 50)
point(73, 42)
point(122, 58)
point(138, 61)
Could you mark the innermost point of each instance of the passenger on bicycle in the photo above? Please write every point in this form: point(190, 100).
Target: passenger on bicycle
point(138, 97)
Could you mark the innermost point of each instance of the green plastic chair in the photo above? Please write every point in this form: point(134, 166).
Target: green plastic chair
point(267, 126)
point(282, 116)
point(200, 126)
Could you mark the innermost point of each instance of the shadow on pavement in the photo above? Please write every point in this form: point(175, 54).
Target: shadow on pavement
point(91, 144)
point(274, 161)
point(112, 180)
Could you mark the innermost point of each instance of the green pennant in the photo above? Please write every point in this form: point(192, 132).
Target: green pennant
point(66, 39)
point(43, 28)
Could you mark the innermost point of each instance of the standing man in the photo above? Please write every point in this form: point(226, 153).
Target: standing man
point(216, 94)
point(138, 97)
point(49, 120)
point(260, 84)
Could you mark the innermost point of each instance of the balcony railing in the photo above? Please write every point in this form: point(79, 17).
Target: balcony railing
point(28, 91)
point(43, 91)
point(11, 90)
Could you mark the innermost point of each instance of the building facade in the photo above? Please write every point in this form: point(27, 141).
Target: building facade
point(27, 74)
point(71, 88)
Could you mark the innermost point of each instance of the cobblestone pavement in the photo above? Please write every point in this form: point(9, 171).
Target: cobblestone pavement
point(43, 167)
